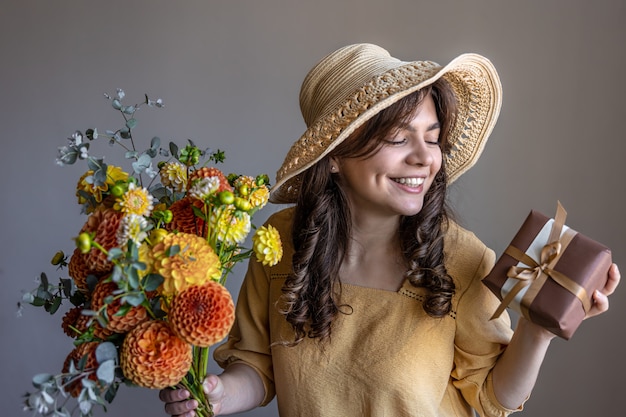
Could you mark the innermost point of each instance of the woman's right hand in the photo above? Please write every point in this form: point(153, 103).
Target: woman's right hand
point(178, 404)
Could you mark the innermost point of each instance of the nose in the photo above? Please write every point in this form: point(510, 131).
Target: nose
point(421, 153)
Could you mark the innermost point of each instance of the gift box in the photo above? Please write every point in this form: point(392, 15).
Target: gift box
point(549, 272)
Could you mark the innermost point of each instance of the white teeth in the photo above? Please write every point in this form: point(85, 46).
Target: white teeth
point(411, 182)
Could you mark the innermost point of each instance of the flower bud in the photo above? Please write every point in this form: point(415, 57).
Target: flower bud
point(83, 242)
point(242, 204)
point(226, 197)
point(58, 258)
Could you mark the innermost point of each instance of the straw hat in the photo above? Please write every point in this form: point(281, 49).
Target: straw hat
point(352, 84)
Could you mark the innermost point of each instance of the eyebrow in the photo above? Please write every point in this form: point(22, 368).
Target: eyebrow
point(411, 129)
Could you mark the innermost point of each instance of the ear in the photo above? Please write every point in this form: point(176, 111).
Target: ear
point(334, 165)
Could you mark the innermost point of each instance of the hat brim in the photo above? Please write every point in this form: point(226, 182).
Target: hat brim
point(478, 92)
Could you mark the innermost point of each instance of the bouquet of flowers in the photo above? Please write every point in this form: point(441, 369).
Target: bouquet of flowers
point(146, 278)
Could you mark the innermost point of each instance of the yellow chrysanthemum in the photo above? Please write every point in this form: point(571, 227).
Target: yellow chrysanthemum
point(184, 259)
point(258, 195)
point(152, 356)
point(114, 174)
point(231, 228)
point(174, 175)
point(267, 245)
point(136, 200)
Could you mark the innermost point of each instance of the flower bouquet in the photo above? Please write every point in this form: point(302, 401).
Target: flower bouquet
point(146, 278)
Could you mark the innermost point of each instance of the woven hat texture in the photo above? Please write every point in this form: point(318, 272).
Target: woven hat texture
point(352, 84)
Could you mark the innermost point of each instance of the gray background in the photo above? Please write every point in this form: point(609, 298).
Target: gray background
point(230, 71)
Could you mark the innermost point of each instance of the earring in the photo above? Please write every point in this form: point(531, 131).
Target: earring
point(333, 169)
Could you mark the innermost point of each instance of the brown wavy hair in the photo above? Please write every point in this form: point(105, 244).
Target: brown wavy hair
point(322, 226)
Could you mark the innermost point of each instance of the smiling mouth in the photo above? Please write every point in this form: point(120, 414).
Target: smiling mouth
point(410, 182)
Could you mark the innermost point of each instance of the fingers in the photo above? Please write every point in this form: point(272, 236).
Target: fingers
point(214, 390)
point(169, 395)
point(600, 298)
point(177, 403)
point(613, 281)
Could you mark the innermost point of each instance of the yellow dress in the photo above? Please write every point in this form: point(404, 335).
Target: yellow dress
point(386, 358)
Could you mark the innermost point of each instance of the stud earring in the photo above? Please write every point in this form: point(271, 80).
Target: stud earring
point(333, 169)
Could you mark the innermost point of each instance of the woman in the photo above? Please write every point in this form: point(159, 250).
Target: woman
point(377, 307)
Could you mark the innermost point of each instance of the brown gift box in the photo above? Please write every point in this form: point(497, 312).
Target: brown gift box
point(549, 273)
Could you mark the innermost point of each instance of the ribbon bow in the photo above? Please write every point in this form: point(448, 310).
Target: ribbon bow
point(535, 274)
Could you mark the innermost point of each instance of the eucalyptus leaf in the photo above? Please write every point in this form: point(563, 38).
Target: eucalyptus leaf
point(133, 278)
point(56, 303)
point(131, 154)
point(172, 250)
point(106, 351)
point(115, 253)
point(155, 143)
point(85, 406)
point(95, 163)
point(117, 105)
point(142, 164)
point(152, 282)
point(131, 123)
point(135, 299)
point(174, 149)
point(106, 371)
point(43, 278)
point(42, 379)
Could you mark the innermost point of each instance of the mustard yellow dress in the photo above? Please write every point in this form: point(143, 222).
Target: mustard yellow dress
point(387, 358)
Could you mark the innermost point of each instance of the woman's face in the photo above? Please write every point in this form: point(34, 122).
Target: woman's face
point(394, 180)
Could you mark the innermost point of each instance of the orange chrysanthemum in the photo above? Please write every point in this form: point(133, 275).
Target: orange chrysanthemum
point(105, 223)
point(152, 356)
point(77, 270)
point(202, 314)
point(91, 364)
point(207, 172)
point(194, 263)
point(184, 219)
point(74, 322)
point(116, 323)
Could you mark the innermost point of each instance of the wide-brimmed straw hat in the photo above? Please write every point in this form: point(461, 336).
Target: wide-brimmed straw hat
point(352, 84)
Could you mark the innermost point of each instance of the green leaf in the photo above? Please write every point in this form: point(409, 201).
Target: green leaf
point(44, 281)
point(152, 282)
point(56, 303)
point(125, 133)
point(131, 123)
point(117, 105)
point(155, 143)
point(174, 149)
point(66, 285)
point(172, 250)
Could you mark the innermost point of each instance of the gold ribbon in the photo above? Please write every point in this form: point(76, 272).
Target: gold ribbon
point(535, 274)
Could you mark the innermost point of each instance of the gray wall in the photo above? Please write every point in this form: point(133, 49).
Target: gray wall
point(230, 72)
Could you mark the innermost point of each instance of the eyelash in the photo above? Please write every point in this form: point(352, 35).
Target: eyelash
point(403, 141)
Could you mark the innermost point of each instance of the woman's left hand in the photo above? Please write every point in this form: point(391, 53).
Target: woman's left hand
point(600, 298)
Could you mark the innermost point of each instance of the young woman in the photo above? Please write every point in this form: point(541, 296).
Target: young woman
point(377, 307)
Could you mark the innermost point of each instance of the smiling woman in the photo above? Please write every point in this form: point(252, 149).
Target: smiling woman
point(377, 307)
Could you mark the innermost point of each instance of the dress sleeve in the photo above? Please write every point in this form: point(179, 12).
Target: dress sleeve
point(479, 341)
point(249, 339)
